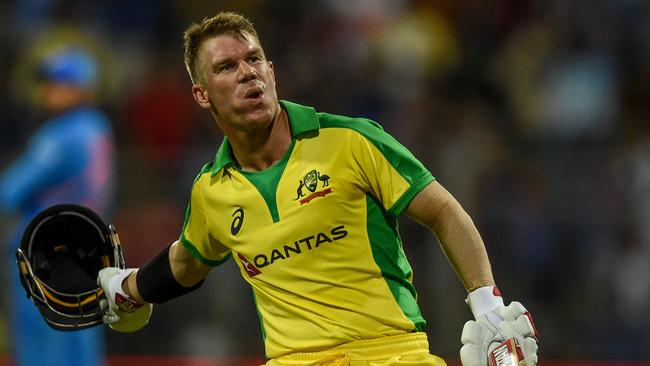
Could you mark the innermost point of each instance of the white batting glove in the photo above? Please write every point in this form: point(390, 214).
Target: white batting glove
point(121, 313)
point(494, 324)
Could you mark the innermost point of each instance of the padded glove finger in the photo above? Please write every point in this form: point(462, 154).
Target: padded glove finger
point(530, 347)
point(524, 326)
point(513, 311)
point(473, 355)
point(475, 333)
point(477, 339)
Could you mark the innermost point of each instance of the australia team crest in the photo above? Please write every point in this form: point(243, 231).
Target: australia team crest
point(308, 187)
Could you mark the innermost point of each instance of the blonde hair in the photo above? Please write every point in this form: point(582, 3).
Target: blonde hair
point(222, 23)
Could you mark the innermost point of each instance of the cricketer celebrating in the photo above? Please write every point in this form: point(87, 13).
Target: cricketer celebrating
point(306, 205)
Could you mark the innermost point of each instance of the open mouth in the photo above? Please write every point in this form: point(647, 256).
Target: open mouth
point(254, 93)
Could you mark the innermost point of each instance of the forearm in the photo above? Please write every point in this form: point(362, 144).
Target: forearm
point(462, 243)
point(438, 210)
point(181, 274)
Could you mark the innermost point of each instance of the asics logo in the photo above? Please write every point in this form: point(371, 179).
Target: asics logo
point(237, 221)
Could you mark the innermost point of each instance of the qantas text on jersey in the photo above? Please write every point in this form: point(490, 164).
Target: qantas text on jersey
point(304, 244)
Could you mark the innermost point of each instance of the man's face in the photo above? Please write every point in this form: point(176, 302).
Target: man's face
point(238, 83)
point(56, 97)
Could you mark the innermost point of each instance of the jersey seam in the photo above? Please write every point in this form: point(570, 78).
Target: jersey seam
point(418, 184)
point(188, 244)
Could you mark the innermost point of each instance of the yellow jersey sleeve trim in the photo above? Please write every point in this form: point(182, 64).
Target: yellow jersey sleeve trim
point(424, 180)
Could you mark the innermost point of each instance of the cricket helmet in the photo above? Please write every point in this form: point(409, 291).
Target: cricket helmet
point(61, 252)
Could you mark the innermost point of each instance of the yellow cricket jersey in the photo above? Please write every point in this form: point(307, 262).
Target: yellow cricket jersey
point(316, 234)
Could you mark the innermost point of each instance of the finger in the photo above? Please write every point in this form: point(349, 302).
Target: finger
point(525, 326)
point(530, 347)
point(105, 275)
point(475, 333)
point(112, 306)
point(471, 355)
point(101, 274)
point(508, 331)
point(103, 305)
point(513, 311)
point(110, 318)
point(491, 319)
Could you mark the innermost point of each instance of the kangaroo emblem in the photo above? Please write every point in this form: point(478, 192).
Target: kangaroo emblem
point(299, 191)
point(310, 182)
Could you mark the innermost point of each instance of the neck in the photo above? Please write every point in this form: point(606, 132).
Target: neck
point(258, 151)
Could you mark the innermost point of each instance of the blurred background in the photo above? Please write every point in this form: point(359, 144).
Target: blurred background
point(535, 114)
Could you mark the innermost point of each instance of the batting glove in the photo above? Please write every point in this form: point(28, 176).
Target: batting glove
point(121, 312)
point(494, 324)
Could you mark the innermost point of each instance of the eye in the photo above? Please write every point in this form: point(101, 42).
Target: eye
point(225, 67)
point(255, 59)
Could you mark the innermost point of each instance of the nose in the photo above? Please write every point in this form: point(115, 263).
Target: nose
point(246, 72)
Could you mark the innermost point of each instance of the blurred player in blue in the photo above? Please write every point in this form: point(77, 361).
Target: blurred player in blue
point(70, 159)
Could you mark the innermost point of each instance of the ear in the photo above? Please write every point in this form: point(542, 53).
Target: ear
point(201, 96)
point(271, 65)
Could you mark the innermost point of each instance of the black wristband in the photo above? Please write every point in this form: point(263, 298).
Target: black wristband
point(157, 284)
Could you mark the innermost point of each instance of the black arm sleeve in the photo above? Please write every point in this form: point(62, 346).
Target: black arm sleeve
point(157, 284)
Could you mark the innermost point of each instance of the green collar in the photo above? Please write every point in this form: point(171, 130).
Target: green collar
point(302, 119)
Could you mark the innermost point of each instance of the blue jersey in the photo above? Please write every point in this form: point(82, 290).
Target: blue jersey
point(70, 159)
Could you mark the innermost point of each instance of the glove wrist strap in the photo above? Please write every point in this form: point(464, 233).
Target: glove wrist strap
point(484, 299)
point(123, 300)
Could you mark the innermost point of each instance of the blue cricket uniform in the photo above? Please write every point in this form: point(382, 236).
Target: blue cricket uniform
point(70, 159)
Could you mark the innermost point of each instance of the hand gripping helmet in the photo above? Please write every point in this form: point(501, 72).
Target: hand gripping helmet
point(61, 252)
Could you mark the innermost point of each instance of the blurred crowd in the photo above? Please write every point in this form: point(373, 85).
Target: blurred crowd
point(535, 114)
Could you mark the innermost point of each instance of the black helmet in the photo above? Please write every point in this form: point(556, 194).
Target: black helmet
point(61, 252)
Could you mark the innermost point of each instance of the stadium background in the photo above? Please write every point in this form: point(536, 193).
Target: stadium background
point(533, 113)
